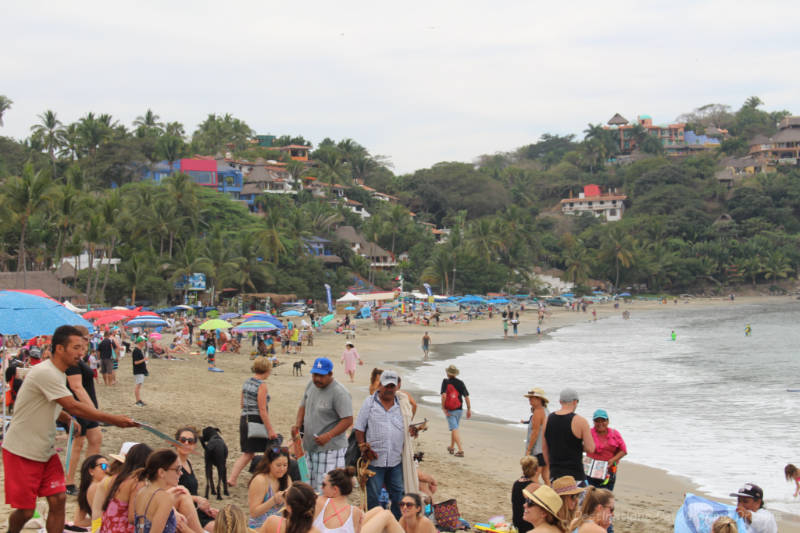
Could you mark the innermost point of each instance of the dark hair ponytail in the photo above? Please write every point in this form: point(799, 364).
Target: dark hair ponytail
point(300, 499)
point(342, 479)
point(134, 460)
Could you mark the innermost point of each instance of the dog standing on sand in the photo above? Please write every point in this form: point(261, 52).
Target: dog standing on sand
point(297, 368)
point(216, 454)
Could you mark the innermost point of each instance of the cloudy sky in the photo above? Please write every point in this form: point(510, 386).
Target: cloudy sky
point(420, 82)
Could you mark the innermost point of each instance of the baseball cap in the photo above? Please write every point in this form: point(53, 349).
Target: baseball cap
point(322, 365)
point(749, 490)
point(568, 395)
point(139, 339)
point(600, 413)
point(389, 377)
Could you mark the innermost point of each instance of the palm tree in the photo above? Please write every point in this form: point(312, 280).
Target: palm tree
point(51, 133)
point(170, 147)
point(251, 268)
point(577, 262)
point(271, 236)
point(23, 196)
point(439, 268)
point(111, 209)
point(220, 260)
point(135, 269)
point(483, 238)
point(777, 266)
point(68, 206)
point(618, 246)
point(148, 124)
point(5, 105)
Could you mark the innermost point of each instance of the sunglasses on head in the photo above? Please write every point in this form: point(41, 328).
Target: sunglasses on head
point(188, 440)
point(280, 449)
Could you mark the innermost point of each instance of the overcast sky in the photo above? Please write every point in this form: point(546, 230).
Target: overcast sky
point(420, 82)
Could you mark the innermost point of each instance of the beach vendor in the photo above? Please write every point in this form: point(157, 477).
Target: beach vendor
point(609, 448)
point(325, 413)
point(29, 445)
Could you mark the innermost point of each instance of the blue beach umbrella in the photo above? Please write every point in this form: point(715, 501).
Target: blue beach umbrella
point(292, 313)
point(146, 322)
point(228, 316)
point(29, 316)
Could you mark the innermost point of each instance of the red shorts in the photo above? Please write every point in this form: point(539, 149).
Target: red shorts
point(25, 480)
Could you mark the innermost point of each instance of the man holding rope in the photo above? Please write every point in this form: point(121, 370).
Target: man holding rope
point(29, 446)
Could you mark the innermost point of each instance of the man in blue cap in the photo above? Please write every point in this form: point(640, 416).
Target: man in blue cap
point(325, 413)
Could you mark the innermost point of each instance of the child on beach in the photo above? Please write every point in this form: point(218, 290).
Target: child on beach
point(793, 474)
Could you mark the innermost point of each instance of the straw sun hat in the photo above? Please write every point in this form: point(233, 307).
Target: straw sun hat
point(546, 498)
point(451, 370)
point(566, 485)
point(537, 393)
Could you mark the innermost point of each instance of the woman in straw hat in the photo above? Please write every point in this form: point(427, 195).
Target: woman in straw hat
point(541, 510)
point(533, 443)
point(569, 491)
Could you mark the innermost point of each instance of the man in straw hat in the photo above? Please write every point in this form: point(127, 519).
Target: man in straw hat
point(541, 509)
point(533, 443)
point(454, 394)
point(29, 446)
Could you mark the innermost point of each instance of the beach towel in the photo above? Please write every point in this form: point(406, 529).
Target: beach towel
point(410, 478)
point(697, 514)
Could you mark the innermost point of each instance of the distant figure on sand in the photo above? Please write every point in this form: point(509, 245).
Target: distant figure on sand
point(454, 394)
point(426, 345)
point(349, 359)
point(533, 443)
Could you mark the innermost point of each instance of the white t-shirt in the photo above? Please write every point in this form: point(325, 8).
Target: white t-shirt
point(762, 521)
point(32, 433)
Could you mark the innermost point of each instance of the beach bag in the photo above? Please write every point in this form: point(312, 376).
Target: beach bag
point(452, 401)
point(353, 452)
point(256, 430)
point(447, 515)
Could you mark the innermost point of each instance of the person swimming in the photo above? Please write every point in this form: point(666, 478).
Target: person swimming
point(674, 335)
point(747, 330)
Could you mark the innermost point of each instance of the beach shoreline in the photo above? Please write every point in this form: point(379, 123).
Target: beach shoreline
point(184, 392)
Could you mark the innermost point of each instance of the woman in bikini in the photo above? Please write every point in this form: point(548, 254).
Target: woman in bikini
point(334, 514)
point(266, 493)
point(379, 520)
point(298, 517)
point(93, 472)
point(153, 509)
point(113, 496)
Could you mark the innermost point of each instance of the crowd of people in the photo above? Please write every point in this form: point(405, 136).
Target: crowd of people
point(569, 467)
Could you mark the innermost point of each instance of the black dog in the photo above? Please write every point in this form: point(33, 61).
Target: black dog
point(216, 453)
point(297, 368)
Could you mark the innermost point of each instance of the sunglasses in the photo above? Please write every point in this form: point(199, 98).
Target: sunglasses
point(530, 503)
point(103, 466)
point(406, 504)
point(282, 449)
point(188, 440)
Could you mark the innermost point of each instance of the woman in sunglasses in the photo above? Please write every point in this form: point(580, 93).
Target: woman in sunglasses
point(541, 510)
point(380, 520)
point(334, 514)
point(153, 507)
point(93, 472)
point(187, 436)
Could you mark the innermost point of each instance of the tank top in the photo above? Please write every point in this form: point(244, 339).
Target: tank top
point(347, 527)
point(566, 450)
point(143, 524)
point(250, 396)
point(537, 443)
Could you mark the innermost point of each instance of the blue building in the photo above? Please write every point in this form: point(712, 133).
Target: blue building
point(209, 173)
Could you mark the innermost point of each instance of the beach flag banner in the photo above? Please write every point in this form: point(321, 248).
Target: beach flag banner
point(431, 299)
point(697, 514)
point(330, 300)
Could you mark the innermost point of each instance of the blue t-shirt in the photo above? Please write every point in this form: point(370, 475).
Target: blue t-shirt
point(210, 351)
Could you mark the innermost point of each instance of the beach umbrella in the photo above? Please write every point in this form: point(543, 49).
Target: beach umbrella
point(255, 313)
point(469, 299)
point(155, 336)
point(108, 319)
point(291, 313)
point(29, 316)
point(624, 294)
point(146, 322)
point(498, 301)
point(228, 316)
point(183, 306)
point(254, 326)
point(267, 318)
point(384, 310)
point(216, 323)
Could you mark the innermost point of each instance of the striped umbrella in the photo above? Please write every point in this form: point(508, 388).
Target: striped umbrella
point(254, 326)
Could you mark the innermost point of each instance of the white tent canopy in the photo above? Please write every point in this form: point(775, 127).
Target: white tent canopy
point(349, 297)
point(368, 297)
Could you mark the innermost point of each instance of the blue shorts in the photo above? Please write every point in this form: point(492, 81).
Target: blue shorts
point(454, 418)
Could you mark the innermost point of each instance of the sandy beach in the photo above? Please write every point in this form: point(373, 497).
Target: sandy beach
point(184, 392)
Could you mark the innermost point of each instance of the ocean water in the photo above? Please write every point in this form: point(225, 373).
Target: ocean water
point(712, 406)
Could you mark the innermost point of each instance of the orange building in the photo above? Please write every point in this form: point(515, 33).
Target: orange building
point(297, 152)
point(669, 135)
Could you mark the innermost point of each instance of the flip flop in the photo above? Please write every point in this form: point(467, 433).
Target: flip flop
point(451, 450)
point(459, 454)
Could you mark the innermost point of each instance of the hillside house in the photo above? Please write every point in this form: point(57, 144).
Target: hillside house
point(783, 148)
point(609, 206)
point(377, 256)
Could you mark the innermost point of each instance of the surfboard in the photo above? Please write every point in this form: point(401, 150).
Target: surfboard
point(324, 320)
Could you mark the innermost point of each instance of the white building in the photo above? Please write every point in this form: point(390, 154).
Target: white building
point(607, 205)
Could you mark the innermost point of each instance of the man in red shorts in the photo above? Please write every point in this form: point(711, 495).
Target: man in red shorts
point(30, 463)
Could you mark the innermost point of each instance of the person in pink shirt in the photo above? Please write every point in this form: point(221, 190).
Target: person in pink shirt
point(608, 447)
point(349, 358)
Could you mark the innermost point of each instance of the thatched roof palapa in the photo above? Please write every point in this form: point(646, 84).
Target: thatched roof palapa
point(617, 120)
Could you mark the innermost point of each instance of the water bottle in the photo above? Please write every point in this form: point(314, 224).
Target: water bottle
point(383, 499)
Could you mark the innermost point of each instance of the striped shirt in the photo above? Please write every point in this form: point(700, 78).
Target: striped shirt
point(250, 396)
point(385, 431)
